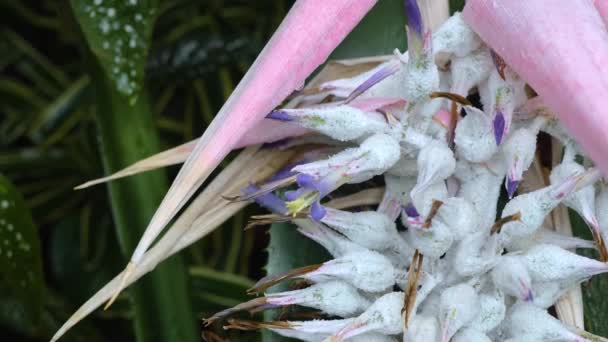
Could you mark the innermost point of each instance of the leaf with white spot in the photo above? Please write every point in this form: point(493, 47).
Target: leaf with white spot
point(20, 260)
point(118, 33)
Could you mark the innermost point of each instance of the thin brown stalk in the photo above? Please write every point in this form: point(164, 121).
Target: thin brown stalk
point(500, 223)
point(273, 279)
point(412, 286)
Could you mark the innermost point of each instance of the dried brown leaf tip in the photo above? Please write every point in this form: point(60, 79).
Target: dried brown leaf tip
point(271, 280)
point(451, 96)
point(500, 223)
point(432, 213)
point(499, 63)
point(412, 286)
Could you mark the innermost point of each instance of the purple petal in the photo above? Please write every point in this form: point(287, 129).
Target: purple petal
point(324, 185)
point(511, 185)
point(293, 195)
point(499, 126)
point(529, 296)
point(280, 115)
point(307, 181)
point(317, 211)
point(414, 17)
point(411, 211)
point(376, 77)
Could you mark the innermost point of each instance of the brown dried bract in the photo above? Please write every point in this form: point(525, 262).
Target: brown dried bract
point(412, 286)
point(498, 225)
point(432, 213)
point(271, 280)
point(451, 96)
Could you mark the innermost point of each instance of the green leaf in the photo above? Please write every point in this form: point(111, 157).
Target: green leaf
point(214, 291)
point(118, 33)
point(163, 312)
point(380, 32)
point(20, 260)
point(287, 250)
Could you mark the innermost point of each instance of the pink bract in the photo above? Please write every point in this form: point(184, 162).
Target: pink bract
point(306, 37)
point(561, 49)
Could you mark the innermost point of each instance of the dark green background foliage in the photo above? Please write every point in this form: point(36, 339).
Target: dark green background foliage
point(88, 87)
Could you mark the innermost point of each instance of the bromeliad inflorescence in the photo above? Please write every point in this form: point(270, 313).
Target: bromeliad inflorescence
point(457, 269)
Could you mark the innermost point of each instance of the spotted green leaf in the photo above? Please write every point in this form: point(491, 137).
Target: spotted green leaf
point(20, 261)
point(118, 33)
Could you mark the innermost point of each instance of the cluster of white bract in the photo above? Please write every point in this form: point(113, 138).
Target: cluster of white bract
point(464, 275)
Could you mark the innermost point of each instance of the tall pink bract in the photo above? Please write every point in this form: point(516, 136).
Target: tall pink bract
point(561, 49)
point(309, 33)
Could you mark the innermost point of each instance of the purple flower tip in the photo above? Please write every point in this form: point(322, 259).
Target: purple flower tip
point(512, 185)
point(499, 127)
point(293, 195)
point(306, 181)
point(411, 211)
point(317, 211)
point(280, 115)
point(414, 18)
point(529, 297)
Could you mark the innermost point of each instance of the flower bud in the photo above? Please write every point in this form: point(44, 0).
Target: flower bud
point(532, 208)
point(474, 137)
point(454, 38)
point(396, 195)
point(601, 202)
point(435, 163)
point(460, 216)
point(582, 201)
point(480, 185)
point(518, 151)
point(433, 241)
point(368, 271)
point(383, 316)
point(470, 70)
point(458, 307)
point(550, 263)
point(354, 165)
point(336, 244)
point(475, 254)
point(342, 122)
point(335, 298)
point(546, 236)
point(313, 331)
point(511, 276)
point(423, 201)
point(501, 98)
point(369, 229)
